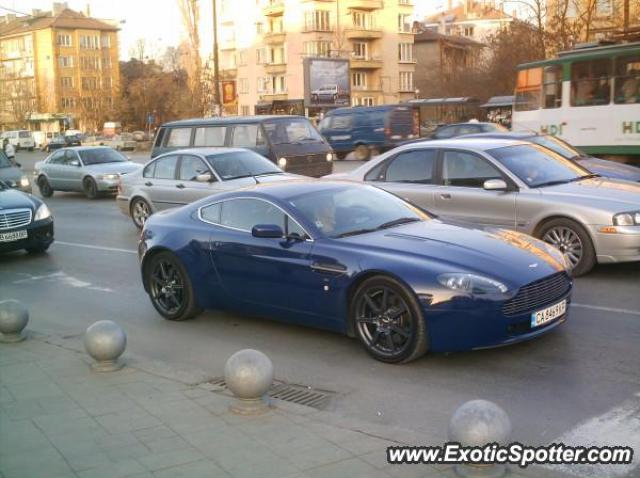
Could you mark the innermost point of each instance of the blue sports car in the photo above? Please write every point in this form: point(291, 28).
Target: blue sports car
point(354, 259)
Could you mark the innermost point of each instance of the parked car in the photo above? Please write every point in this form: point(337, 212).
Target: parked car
point(453, 130)
point(12, 175)
point(122, 142)
point(516, 185)
point(56, 142)
point(178, 178)
point(603, 167)
point(140, 136)
point(25, 221)
point(291, 142)
point(329, 94)
point(73, 139)
point(20, 139)
point(368, 129)
point(88, 169)
point(357, 260)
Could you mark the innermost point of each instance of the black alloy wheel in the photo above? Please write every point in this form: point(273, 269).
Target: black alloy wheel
point(169, 287)
point(45, 188)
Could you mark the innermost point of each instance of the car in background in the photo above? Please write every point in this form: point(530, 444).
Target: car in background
point(516, 185)
point(181, 177)
point(25, 221)
point(89, 169)
point(122, 142)
point(291, 142)
point(328, 94)
point(20, 139)
point(356, 260)
point(73, 139)
point(369, 129)
point(12, 175)
point(603, 167)
point(140, 136)
point(454, 130)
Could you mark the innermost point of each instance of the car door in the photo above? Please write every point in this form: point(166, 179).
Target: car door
point(409, 174)
point(461, 197)
point(188, 188)
point(53, 169)
point(72, 171)
point(159, 182)
point(272, 273)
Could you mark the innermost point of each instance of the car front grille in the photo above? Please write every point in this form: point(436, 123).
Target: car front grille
point(315, 165)
point(11, 218)
point(537, 294)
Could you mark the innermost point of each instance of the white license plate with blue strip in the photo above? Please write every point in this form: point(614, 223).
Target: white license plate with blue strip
point(547, 315)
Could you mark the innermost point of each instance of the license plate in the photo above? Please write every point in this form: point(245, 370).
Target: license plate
point(546, 315)
point(13, 236)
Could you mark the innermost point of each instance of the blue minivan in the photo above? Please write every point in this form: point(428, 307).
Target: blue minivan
point(291, 142)
point(365, 129)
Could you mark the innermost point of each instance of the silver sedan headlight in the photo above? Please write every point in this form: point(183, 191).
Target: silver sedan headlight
point(627, 219)
point(24, 182)
point(109, 177)
point(471, 283)
point(42, 212)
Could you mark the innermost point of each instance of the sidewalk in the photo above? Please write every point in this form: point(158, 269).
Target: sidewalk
point(60, 419)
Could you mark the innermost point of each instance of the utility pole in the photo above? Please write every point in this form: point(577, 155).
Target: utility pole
point(625, 17)
point(216, 67)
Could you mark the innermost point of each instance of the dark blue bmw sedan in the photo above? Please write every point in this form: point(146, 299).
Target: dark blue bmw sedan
point(354, 259)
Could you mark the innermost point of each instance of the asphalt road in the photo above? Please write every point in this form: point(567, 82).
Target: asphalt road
point(549, 386)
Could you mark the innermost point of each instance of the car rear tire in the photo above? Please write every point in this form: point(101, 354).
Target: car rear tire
point(140, 212)
point(388, 320)
point(573, 241)
point(45, 188)
point(90, 188)
point(362, 152)
point(170, 288)
point(31, 150)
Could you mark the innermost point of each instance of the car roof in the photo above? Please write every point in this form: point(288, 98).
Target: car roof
point(465, 123)
point(229, 120)
point(363, 109)
point(480, 144)
point(502, 135)
point(208, 151)
point(85, 148)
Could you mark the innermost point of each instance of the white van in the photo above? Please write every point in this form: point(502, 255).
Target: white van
point(21, 139)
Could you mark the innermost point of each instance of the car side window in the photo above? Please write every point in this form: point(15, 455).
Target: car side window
point(243, 214)
point(178, 137)
point(446, 132)
point(245, 136)
point(166, 168)
point(341, 121)
point(191, 167)
point(70, 156)
point(468, 129)
point(160, 137)
point(412, 167)
point(57, 158)
point(211, 213)
point(464, 169)
point(210, 136)
point(149, 171)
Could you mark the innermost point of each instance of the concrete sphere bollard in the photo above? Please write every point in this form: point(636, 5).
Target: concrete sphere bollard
point(249, 374)
point(479, 423)
point(105, 341)
point(14, 317)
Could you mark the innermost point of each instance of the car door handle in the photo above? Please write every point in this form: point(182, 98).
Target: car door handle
point(445, 196)
point(148, 183)
point(180, 186)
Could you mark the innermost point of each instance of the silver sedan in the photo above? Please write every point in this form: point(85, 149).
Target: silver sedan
point(516, 185)
point(180, 177)
point(92, 170)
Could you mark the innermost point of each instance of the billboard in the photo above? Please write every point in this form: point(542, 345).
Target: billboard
point(228, 92)
point(326, 82)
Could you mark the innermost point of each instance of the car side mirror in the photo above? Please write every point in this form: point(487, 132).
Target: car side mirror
point(271, 231)
point(495, 185)
point(204, 178)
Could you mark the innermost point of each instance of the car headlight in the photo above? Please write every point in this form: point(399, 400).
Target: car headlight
point(109, 177)
point(282, 162)
point(42, 213)
point(627, 219)
point(24, 182)
point(471, 283)
point(329, 156)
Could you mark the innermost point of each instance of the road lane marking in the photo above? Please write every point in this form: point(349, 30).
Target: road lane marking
point(607, 309)
point(65, 279)
point(99, 248)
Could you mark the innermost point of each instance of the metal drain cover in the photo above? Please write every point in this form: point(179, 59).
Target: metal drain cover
point(287, 392)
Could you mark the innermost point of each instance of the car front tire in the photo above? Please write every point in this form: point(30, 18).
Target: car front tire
point(140, 212)
point(90, 188)
point(45, 188)
point(388, 320)
point(573, 241)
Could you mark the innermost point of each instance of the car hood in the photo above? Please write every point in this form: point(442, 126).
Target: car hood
point(611, 169)
point(508, 256)
point(11, 174)
point(120, 168)
point(600, 191)
point(13, 199)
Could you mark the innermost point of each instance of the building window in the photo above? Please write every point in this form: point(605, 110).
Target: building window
point(604, 8)
point(404, 2)
point(260, 56)
point(317, 20)
point(276, 25)
point(363, 20)
point(262, 84)
point(277, 55)
point(406, 81)
point(244, 110)
point(360, 50)
point(405, 52)
point(106, 82)
point(106, 62)
point(90, 42)
point(468, 31)
point(259, 28)
point(68, 102)
point(105, 41)
point(66, 81)
point(89, 62)
point(317, 48)
point(243, 85)
point(63, 40)
point(89, 83)
point(404, 23)
point(65, 61)
point(279, 84)
point(242, 57)
point(364, 101)
point(359, 80)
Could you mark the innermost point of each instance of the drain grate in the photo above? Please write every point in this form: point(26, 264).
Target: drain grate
point(288, 392)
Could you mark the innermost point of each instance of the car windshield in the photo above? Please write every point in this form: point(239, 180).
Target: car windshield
point(557, 145)
point(24, 134)
point(291, 130)
point(537, 166)
point(101, 156)
point(4, 161)
point(241, 164)
point(347, 211)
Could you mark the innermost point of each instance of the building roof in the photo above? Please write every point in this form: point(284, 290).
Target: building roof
point(472, 12)
point(67, 18)
point(430, 36)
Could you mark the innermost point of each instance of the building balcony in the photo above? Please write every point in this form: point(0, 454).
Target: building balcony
point(271, 38)
point(274, 8)
point(365, 4)
point(275, 68)
point(365, 63)
point(365, 90)
point(273, 96)
point(358, 33)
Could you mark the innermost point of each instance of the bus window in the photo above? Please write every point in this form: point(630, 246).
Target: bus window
point(552, 86)
point(590, 82)
point(627, 80)
point(528, 89)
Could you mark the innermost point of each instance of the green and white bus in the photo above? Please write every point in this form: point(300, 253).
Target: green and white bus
point(589, 97)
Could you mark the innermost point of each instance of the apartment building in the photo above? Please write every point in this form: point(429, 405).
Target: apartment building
point(58, 69)
point(263, 44)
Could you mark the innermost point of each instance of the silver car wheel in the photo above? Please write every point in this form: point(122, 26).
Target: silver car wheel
point(140, 212)
point(567, 241)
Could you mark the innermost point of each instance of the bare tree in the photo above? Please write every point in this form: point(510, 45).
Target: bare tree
point(190, 12)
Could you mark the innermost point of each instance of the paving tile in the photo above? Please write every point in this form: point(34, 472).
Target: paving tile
point(376, 458)
point(30, 464)
point(152, 433)
point(5, 395)
point(198, 469)
point(158, 461)
point(116, 469)
point(19, 410)
point(352, 468)
point(322, 455)
point(34, 389)
point(87, 460)
point(22, 373)
point(252, 462)
point(413, 471)
point(76, 421)
point(127, 451)
point(125, 421)
point(20, 436)
point(160, 445)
